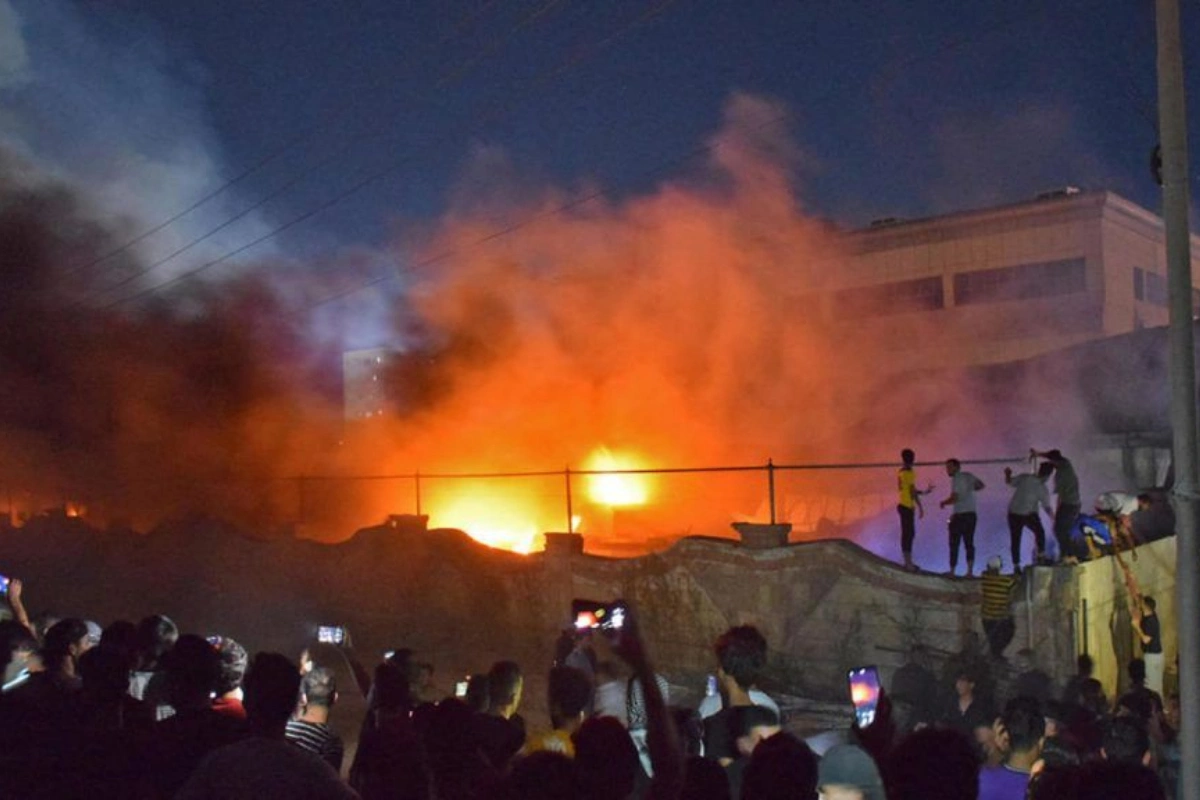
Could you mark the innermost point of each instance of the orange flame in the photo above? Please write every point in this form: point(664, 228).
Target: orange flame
point(490, 514)
point(616, 490)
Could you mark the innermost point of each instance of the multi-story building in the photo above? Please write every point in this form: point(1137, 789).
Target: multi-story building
point(364, 375)
point(1000, 284)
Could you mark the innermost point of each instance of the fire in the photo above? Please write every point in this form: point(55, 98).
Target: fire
point(492, 515)
point(616, 490)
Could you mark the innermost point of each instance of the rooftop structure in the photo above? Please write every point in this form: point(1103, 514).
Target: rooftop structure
point(1000, 284)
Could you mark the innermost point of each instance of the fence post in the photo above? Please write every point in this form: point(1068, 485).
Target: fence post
point(301, 510)
point(771, 486)
point(417, 489)
point(570, 505)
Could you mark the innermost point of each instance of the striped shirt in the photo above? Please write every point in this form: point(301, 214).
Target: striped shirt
point(318, 738)
point(997, 595)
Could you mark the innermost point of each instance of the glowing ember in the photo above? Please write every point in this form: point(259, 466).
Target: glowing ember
point(616, 490)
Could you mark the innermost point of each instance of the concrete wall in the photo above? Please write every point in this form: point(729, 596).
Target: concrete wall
point(1104, 629)
point(824, 606)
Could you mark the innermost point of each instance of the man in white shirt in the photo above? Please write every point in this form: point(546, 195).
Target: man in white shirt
point(1118, 509)
point(1029, 493)
point(963, 486)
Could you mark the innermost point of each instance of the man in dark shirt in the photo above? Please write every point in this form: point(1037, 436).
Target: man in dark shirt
point(914, 686)
point(967, 712)
point(1150, 634)
point(1143, 613)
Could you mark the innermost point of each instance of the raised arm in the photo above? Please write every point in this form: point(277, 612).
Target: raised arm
point(15, 604)
point(362, 677)
point(666, 755)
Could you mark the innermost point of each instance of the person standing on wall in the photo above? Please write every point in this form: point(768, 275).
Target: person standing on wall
point(963, 486)
point(909, 505)
point(1066, 487)
point(1029, 493)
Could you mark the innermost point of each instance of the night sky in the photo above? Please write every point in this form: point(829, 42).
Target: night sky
point(898, 109)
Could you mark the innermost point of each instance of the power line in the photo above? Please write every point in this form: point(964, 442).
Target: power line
point(496, 113)
point(536, 14)
point(567, 206)
point(340, 111)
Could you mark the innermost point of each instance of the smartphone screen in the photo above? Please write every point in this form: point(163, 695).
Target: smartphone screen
point(331, 634)
point(864, 693)
point(586, 614)
point(590, 615)
point(4, 581)
point(460, 689)
point(710, 690)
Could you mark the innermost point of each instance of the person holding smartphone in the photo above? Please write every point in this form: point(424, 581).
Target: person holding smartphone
point(741, 655)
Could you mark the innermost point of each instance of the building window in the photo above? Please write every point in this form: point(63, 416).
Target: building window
point(1023, 282)
point(1152, 285)
point(923, 294)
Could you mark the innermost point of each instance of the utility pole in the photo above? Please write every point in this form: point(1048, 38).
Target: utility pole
point(1172, 125)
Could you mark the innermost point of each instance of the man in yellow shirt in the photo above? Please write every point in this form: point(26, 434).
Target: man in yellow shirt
point(909, 505)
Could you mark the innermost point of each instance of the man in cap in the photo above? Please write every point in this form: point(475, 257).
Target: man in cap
point(848, 773)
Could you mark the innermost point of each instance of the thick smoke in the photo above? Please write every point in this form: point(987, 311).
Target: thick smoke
point(673, 328)
point(136, 415)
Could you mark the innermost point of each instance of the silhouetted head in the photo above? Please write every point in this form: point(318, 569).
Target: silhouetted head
point(1126, 742)
point(234, 661)
point(1084, 665)
point(17, 646)
point(105, 672)
point(704, 779)
point(781, 767)
point(952, 466)
point(193, 670)
point(1104, 780)
point(505, 683)
point(741, 654)
point(542, 776)
point(1022, 718)
point(605, 759)
point(122, 634)
point(319, 687)
point(66, 640)
point(932, 764)
point(1137, 671)
point(392, 689)
point(908, 457)
point(272, 687)
point(155, 636)
point(569, 691)
point(477, 692)
point(849, 768)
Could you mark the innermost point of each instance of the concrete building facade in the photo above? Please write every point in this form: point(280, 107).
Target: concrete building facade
point(1000, 284)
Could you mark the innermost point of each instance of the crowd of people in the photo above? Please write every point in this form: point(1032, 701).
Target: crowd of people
point(141, 710)
point(1077, 536)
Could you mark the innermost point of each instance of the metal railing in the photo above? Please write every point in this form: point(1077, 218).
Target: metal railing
point(569, 474)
